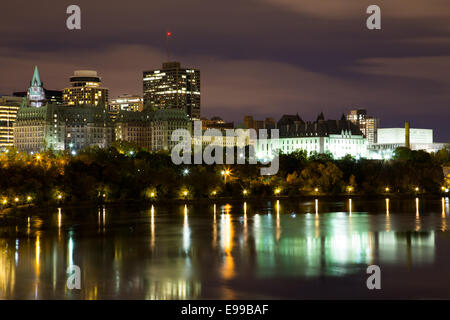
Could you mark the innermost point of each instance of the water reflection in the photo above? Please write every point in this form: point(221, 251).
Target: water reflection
point(186, 231)
point(247, 244)
point(417, 215)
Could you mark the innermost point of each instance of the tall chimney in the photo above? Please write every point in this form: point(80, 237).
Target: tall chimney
point(407, 137)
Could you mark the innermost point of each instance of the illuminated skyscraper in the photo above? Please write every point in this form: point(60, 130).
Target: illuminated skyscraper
point(8, 113)
point(368, 125)
point(86, 89)
point(173, 87)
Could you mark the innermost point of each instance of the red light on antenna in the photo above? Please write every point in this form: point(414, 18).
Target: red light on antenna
point(169, 33)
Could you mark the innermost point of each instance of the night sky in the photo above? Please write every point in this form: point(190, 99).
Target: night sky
point(257, 57)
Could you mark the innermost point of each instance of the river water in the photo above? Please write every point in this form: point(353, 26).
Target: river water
point(248, 250)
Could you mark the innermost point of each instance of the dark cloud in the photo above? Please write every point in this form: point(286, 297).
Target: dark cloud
point(261, 57)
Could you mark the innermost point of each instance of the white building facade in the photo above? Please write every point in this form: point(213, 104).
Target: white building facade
point(336, 137)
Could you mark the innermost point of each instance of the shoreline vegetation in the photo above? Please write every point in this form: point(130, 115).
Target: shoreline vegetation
point(125, 174)
point(50, 207)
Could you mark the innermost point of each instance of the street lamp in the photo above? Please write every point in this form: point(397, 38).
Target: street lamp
point(226, 173)
point(387, 189)
point(277, 191)
point(316, 189)
point(244, 192)
point(349, 189)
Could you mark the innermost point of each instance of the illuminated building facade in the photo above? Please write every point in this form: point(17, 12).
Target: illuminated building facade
point(85, 89)
point(164, 122)
point(390, 139)
point(337, 137)
point(368, 125)
point(9, 106)
point(151, 130)
point(134, 127)
point(173, 87)
point(60, 127)
point(126, 102)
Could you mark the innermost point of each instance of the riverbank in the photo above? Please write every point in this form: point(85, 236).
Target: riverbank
point(50, 207)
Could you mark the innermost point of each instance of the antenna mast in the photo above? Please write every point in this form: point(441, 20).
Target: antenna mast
point(168, 35)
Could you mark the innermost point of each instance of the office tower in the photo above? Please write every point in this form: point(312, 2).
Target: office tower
point(367, 124)
point(85, 89)
point(173, 87)
point(127, 102)
point(9, 106)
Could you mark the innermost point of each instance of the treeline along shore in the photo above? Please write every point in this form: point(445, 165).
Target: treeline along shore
point(124, 173)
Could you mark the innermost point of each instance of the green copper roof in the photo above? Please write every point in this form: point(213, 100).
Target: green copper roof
point(36, 81)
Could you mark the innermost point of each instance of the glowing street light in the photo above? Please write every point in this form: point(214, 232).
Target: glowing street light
point(226, 173)
point(29, 198)
point(387, 189)
point(214, 192)
point(38, 157)
point(16, 199)
point(5, 201)
point(185, 193)
point(59, 196)
point(186, 171)
point(277, 191)
point(416, 189)
point(244, 192)
point(316, 189)
point(152, 195)
point(349, 189)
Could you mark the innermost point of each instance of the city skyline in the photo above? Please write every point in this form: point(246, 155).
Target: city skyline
point(330, 62)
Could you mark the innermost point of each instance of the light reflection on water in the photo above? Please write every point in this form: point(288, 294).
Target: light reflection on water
point(217, 250)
